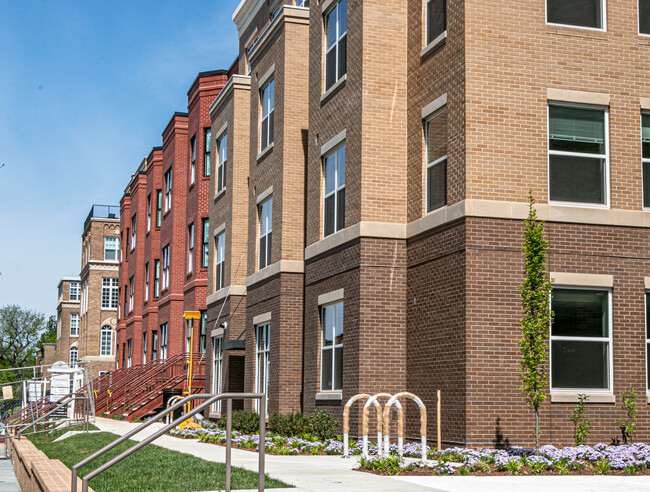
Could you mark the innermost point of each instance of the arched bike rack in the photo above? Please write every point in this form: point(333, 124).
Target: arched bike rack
point(400, 435)
point(346, 419)
point(380, 419)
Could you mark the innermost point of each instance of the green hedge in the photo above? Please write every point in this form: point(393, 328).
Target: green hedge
point(320, 425)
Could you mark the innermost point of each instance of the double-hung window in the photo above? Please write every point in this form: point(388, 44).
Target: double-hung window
point(144, 348)
point(146, 282)
point(109, 293)
point(134, 226)
point(435, 135)
point(334, 197)
point(165, 267)
point(128, 244)
point(203, 331)
point(217, 366)
point(156, 279)
point(207, 132)
point(111, 246)
point(222, 149)
point(74, 356)
point(268, 105)
point(263, 349)
point(332, 347)
point(336, 28)
point(159, 200)
point(205, 252)
point(154, 345)
point(106, 341)
point(578, 154)
point(588, 14)
point(188, 335)
point(265, 212)
point(74, 325)
point(131, 292)
point(74, 291)
point(219, 251)
point(581, 340)
point(645, 156)
point(302, 3)
point(163, 341)
point(129, 351)
point(148, 213)
point(644, 17)
point(190, 248)
point(192, 160)
point(436, 19)
point(168, 190)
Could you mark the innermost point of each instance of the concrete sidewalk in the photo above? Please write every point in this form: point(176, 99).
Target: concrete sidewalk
point(333, 473)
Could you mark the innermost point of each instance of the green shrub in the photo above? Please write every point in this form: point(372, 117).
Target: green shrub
point(323, 425)
point(244, 421)
point(319, 426)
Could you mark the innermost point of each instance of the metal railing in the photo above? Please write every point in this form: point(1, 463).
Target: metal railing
point(60, 404)
point(209, 400)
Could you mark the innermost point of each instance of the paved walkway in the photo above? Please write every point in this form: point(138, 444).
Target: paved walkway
point(332, 473)
point(8, 482)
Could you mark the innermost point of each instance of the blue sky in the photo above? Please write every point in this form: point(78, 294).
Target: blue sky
point(86, 89)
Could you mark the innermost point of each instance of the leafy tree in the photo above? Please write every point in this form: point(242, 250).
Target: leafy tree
point(49, 335)
point(20, 332)
point(536, 320)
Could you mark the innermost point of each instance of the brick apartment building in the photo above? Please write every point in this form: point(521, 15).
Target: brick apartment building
point(67, 323)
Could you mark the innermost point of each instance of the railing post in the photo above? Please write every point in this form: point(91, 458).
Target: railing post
point(262, 446)
point(228, 441)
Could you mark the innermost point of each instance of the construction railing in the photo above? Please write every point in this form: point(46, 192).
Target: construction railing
point(209, 400)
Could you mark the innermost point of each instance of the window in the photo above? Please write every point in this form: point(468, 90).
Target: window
point(168, 190)
point(74, 291)
point(334, 201)
point(128, 248)
point(193, 160)
point(332, 347)
point(204, 331)
point(645, 157)
point(222, 150)
point(436, 19)
point(265, 218)
point(74, 356)
point(111, 246)
point(125, 300)
point(144, 348)
point(154, 345)
point(263, 333)
point(106, 341)
point(206, 153)
point(205, 254)
point(134, 225)
point(163, 341)
point(129, 353)
point(581, 339)
point(217, 366)
point(268, 105)
point(302, 3)
point(435, 136)
point(146, 282)
point(336, 25)
point(165, 267)
point(148, 213)
point(131, 292)
point(579, 13)
point(644, 17)
point(74, 325)
point(188, 335)
point(124, 355)
point(190, 248)
point(577, 154)
point(156, 279)
point(109, 293)
point(219, 249)
point(159, 207)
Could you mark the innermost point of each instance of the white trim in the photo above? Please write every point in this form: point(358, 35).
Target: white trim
point(603, 19)
point(645, 34)
point(230, 290)
point(329, 396)
point(217, 332)
point(266, 77)
point(245, 13)
point(434, 45)
point(283, 266)
point(262, 318)
point(235, 82)
point(645, 103)
point(219, 230)
point(582, 279)
point(573, 397)
point(360, 229)
point(581, 97)
point(221, 131)
point(434, 106)
point(333, 142)
point(264, 195)
point(331, 297)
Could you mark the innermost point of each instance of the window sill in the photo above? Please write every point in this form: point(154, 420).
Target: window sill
point(337, 85)
point(434, 45)
point(572, 397)
point(264, 152)
point(220, 194)
point(329, 396)
point(582, 28)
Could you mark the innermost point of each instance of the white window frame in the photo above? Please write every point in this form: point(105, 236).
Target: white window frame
point(134, 226)
point(605, 156)
point(337, 187)
point(115, 247)
point(129, 352)
point(154, 345)
point(205, 243)
point(189, 326)
point(159, 207)
point(222, 157)
point(265, 231)
point(75, 291)
point(110, 287)
point(219, 268)
point(644, 160)
point(331, 348)
point(192, 160)
point(217, 369)
point(301, 3)
point(131, 292)
point(144, 347)
point(262, 386)
point(190, 248)
point(156, 279)
point(168, 190)
point(164, 342)
point(438, 162)
point(74, 323)
point(146, 282)
point(165, 266)
point(609, 340)
point(335, 46)
point(638, 15)
point(73, 360)
point(207, 150)
point(267, 114)
point(149, 213)
point(603, 6)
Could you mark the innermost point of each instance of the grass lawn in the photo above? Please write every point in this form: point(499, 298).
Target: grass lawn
point(152, 468)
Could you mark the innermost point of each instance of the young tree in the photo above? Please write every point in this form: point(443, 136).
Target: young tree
point(49, 335)
point(535, 322)
point(20, 331)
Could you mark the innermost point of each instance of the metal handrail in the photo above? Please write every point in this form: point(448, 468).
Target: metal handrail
point(59, 404)
point(209, 400)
